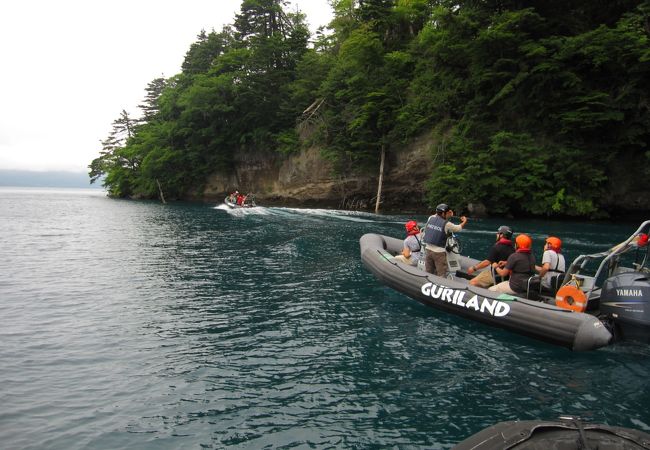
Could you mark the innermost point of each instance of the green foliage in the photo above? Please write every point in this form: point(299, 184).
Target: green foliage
point(233, 93)
point(203, 53)
point(513, 174)
point(532, 102)
point(116, 157)
point(564, 105)
point(288, 142)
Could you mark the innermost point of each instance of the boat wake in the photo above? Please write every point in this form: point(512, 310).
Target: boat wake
point(309, 213)
point(351, 216)
point(239, 212)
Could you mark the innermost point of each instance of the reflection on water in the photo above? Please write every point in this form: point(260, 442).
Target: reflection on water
point(137, 325)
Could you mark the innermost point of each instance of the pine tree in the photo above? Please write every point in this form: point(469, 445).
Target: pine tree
point(150, 106)
point(110, 157)
point(202, 54)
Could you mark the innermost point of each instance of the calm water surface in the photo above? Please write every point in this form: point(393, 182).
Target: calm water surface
point(140, 325)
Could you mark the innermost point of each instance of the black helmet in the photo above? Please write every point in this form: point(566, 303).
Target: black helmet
point(505, 231)
point(442, 208)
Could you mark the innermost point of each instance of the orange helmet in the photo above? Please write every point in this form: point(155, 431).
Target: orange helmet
point(555, 243)
point(524, 241)
point(411, 227)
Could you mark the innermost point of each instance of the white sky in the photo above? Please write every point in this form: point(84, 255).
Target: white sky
point(69, 67)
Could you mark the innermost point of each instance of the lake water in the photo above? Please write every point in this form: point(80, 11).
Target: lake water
point(140, 325)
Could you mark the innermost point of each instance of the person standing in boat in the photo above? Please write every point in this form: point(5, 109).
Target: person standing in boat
point(553, 263)
point(500, 251)
point(437, 230)
point(519, 266)
point(412, 251)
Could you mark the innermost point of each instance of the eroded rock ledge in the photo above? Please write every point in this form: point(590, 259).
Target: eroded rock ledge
point(306, 179)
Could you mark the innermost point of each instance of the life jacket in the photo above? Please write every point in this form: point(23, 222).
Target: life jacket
point(504, 241)
point(434, 232)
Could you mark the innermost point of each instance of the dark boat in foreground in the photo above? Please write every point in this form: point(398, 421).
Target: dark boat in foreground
point(594, 306)
point(565, 433)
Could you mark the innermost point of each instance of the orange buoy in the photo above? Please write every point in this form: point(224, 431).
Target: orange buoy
point(570, 297)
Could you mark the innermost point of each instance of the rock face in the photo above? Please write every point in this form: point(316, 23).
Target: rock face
point(305, 179)
point(627, 191)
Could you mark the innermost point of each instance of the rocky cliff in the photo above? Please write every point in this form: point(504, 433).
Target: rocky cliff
point(627, 190)
point(305, 179)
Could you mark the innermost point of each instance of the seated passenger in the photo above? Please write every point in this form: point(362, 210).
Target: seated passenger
point(412, 251)
point(553, 263)
point(520, 266)
point(499, 252)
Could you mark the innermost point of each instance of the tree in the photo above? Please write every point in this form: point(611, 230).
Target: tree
point(532, 102)
point(203, 53)
point(273, 43)
point(150, 106)
point(111, 155)
point(363, 94)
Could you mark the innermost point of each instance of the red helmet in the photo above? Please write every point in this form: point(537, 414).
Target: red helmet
point(411, 227)
point(555, 243)
point(524, 241)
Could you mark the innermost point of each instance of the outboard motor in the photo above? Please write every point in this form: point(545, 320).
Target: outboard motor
point(625, 299)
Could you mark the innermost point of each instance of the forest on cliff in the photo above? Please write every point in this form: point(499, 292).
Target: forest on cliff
point(532, 104)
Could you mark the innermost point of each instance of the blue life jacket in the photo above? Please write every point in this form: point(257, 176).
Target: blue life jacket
point(434, 233)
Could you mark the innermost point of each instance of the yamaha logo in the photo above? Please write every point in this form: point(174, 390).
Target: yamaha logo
point(629, 292)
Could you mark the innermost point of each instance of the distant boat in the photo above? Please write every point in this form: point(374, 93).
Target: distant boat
point(565, 433)
point(591, 308)
point(248, 202)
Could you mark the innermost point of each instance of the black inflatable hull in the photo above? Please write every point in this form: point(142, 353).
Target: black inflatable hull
point(549, 435)
point(232, 205)
point(548, 323)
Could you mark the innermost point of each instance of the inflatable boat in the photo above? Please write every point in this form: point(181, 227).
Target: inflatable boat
point(594, 305)
point(565, 433)
point(249, 202)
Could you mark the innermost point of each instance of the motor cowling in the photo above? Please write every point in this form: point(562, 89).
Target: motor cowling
point(625, 299)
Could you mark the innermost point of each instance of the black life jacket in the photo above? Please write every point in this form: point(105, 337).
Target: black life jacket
point(434, 233)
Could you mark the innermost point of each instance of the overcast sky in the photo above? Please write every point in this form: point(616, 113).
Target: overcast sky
point(68, 67)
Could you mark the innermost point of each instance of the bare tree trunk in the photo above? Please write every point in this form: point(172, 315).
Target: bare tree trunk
point(162, 197)
point(381, 177)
